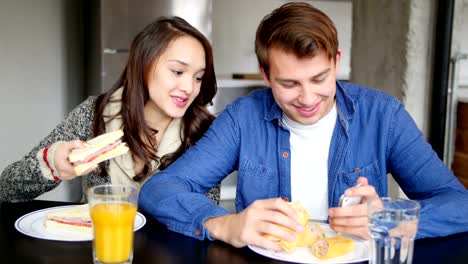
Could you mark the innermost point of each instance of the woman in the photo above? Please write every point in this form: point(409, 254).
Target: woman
point(159, 102)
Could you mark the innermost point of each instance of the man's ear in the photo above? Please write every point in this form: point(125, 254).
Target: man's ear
point(337, 61)
point(264, 75)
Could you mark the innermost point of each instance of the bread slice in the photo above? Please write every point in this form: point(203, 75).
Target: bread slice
point(117, 151)
point(99, 149)
point(94, 145)
point(76, 218)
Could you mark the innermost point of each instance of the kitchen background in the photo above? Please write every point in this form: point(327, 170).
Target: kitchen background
point(54, 53)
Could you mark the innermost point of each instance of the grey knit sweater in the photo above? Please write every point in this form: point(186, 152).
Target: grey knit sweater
point(23, 180)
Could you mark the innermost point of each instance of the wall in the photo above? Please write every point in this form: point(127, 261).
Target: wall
point(395, 55)
point(40, 72)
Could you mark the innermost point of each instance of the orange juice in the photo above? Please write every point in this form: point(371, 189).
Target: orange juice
point(113, 230)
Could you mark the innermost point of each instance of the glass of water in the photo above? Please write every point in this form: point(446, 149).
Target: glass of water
point(393, 224)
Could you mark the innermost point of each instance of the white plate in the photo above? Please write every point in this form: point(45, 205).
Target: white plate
point(32, 224)
point(303, 255)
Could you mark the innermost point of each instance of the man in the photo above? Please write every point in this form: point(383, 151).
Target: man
point(309, 139)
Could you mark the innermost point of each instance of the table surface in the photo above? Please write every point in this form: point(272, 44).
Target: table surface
point(155, 244)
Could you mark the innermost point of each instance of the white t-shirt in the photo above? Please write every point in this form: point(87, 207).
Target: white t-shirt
point(310, 145)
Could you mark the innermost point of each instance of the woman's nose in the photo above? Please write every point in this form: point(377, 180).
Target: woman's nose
point(187, 85)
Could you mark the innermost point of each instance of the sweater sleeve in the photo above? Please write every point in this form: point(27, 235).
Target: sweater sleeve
point(24, 180)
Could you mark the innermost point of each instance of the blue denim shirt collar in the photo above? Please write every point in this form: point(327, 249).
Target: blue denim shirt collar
point(274, 112)
point(344, 102)
point(345, 106)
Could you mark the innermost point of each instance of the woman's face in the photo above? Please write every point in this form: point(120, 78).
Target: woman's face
point(175, 78)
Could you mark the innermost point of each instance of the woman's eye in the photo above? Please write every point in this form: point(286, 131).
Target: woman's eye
point(198, 79)
point(176, 72)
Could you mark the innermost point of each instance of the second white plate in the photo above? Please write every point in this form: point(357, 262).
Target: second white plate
point(303, 255)
point(32, 224)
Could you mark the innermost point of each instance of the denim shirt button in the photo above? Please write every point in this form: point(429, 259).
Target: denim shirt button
point(285, 155)
point(356, 169)
point(197, 232)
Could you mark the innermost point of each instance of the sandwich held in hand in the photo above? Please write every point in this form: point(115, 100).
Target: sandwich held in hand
point(76, 218)
point(303, 218)
point(99, 149)
point(313, 237)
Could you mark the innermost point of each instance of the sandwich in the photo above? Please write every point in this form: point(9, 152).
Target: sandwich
point(331, 247)
point(303, 218)
point(314, 237)
point(76, 218)
point(98, 149)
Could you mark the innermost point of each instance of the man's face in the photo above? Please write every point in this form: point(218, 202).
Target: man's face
point(303, 88)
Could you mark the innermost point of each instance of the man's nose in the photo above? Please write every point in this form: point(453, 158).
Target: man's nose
point(308, 95)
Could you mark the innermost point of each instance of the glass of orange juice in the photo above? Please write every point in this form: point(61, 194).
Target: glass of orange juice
point(113, 209)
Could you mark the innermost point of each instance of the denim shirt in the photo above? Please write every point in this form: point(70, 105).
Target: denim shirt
point(374, 135)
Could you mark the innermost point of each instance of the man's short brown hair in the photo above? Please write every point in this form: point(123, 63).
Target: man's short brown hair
point(297, 28)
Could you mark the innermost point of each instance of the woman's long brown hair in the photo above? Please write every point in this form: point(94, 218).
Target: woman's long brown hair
point(146, 48)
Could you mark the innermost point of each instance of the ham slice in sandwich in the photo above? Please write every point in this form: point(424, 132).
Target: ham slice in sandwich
point(99, 149)
point(75, 218)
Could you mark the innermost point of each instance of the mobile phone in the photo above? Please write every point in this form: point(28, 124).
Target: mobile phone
point(348, 201)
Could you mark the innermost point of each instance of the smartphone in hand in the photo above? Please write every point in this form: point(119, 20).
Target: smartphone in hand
point(349, 201)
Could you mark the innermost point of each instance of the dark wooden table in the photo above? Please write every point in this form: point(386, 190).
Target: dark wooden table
point(155, 244)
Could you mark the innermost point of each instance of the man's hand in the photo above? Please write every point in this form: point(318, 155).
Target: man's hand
point(249, 226)
point(353, 220)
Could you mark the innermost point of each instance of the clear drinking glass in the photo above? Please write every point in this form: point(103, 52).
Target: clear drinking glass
point(113, 209)
point(393, 224)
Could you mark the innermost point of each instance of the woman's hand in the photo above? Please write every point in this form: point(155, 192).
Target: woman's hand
point(249, 226)
point(65, 169)
point(353, 220)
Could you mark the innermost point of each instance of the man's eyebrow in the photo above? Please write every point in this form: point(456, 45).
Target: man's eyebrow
point(284, 80)
point(313, 77)
point(321, 73)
